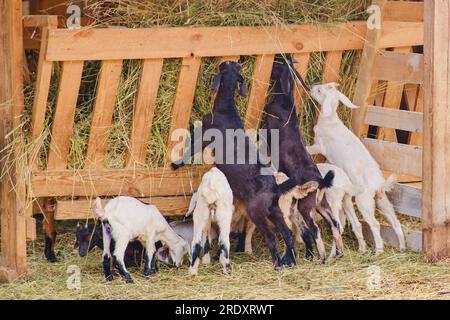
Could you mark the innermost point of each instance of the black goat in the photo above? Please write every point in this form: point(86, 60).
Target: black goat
point(295, 160)
point(259, 193)
point(90, 236)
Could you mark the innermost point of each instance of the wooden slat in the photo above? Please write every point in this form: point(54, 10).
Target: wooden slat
point(395, 66)
point(42, 87)
point(395, 119)
point(392, 99)
point(181, 42)
point(184, 99)
point(31, 229)
point(302, 68)
point(83, 209)
point(403, 11)
point(436, 142)
point(406, 200)
point(144, 111)
point(230, 58)
point(103, 111)
point(40, 21)
point(139, 182)
point(395, 157)
point(417, 138)
point(332, 67)
point(64, 114)
point(364, 81)
point(260, 85)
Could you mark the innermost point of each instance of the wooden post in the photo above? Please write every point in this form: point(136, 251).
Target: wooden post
point(436, 150)
point(12, 190)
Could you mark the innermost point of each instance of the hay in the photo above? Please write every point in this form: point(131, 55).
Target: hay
point(403, 276)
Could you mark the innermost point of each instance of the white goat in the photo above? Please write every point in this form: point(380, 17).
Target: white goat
point(339, 197)
point(214, 204)
point(343, 149)
point(131, 219)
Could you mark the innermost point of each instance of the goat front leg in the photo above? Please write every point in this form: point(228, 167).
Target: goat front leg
point(249, 230)
point(150, 267)
point(49, 228)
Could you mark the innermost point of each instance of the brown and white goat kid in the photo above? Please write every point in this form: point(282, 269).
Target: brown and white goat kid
point(214, 204)
point(345, 150)
point(131, 219)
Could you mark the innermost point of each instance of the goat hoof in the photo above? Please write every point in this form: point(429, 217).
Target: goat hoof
point(288, 261)
point(175, 166)
point(51, 257)
point(378, 251)
point(309, 256)
point(109, 278)
point(227, 269)
point(129, 280)
point(193, 271)
point(278, 266)
point(206, 259)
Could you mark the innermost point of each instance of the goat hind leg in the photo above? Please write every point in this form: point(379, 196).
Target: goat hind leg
point(354, 221)
point(386, 208)
point(119, 253)
point(366, 205)
point(276, 216)
point(201, 220)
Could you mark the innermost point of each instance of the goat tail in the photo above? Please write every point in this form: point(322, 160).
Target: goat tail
point(99, 212)
point(287, 186)
point(389, 184)
point(192, 204)
point(327, 181)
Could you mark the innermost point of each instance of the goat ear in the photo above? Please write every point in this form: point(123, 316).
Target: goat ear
point(346, 101)
point(327, 109)
point(216, 82)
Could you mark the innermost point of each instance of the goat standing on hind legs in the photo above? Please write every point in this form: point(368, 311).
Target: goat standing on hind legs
point(345, 150)
point(295, 160)
point(258, 192)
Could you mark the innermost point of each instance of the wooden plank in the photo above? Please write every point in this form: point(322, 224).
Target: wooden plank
point(406, 200)
point(404, 11)
point(31, 229)
point(302, 68)
point(64, 114)
point(83, 209)
point(183, 42)
point(396, 66)
point(396, 157)
point(392, 99)
point(182, 106)
point(106, 182)
point(413, 238)
point(12, 187)
point(436, 155)
point(332, 67)
point(394, 119)
point(365, 81)
point(144, 111)
point(417, 138)
point(39, 21)
point(42, 88)
point(103, 111)
point(258, 92)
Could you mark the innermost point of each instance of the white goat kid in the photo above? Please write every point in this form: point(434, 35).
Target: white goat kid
point(131, 219)
point(214, 204)
point(339, 197)
point(343, 149)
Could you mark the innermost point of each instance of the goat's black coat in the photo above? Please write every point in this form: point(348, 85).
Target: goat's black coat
point(260, 193)
point(294, 159)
